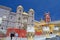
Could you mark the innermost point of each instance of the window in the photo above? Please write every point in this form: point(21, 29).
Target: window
point(20, 10)
point(4, 16)
point(20, 13)
point(32, 20)
point(25, 20)
point(32, 24)
point(32, 13)
point(0, 24)
point(19, 18)
point(11, 17)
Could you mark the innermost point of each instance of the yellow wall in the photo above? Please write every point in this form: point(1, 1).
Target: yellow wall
point(51, 26)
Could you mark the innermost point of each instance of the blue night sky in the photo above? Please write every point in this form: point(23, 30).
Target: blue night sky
point(40, 6)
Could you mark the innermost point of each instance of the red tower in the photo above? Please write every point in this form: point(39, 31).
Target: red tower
point(47, 17)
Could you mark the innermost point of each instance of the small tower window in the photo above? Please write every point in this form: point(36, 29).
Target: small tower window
point(19, 27)
point(32, 13)
point(32, 20)
point(32, 24)
point(11, 17)
point(0, 24)
point(20, 10)
point(19, 18)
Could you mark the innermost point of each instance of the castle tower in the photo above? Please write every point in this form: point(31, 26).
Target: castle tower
point(31, 17)
point(19, 19)
point(47, 17)
point(30, 26)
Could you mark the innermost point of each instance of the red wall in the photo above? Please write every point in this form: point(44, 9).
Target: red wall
point(38, 33)
point(21, 32)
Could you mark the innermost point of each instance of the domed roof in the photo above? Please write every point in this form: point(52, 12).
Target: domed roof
point(31, 10)
point(20, 6)
point(25, 13)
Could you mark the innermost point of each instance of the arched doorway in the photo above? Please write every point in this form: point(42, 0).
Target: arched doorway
point(12, 34)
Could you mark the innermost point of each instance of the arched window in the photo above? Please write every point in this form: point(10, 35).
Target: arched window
point(20, 10)
point(11, 17)
point(32, 13)
point(19, 18)
point(25, 20)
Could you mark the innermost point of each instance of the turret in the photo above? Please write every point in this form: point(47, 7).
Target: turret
point(19, 9)
point(19, 16)
point(47, 17)
point(31, 17)
point(31, 12)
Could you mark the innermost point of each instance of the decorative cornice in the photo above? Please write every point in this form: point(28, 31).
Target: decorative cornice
point(4, 7)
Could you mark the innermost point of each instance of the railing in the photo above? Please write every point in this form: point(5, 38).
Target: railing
point(42, 37)
point(13, 38)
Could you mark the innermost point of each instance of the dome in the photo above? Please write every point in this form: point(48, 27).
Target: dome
point(25, 13)
point(20, 7)
point(31, 10)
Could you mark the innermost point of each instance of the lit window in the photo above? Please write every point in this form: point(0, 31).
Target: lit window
point(19, 18)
